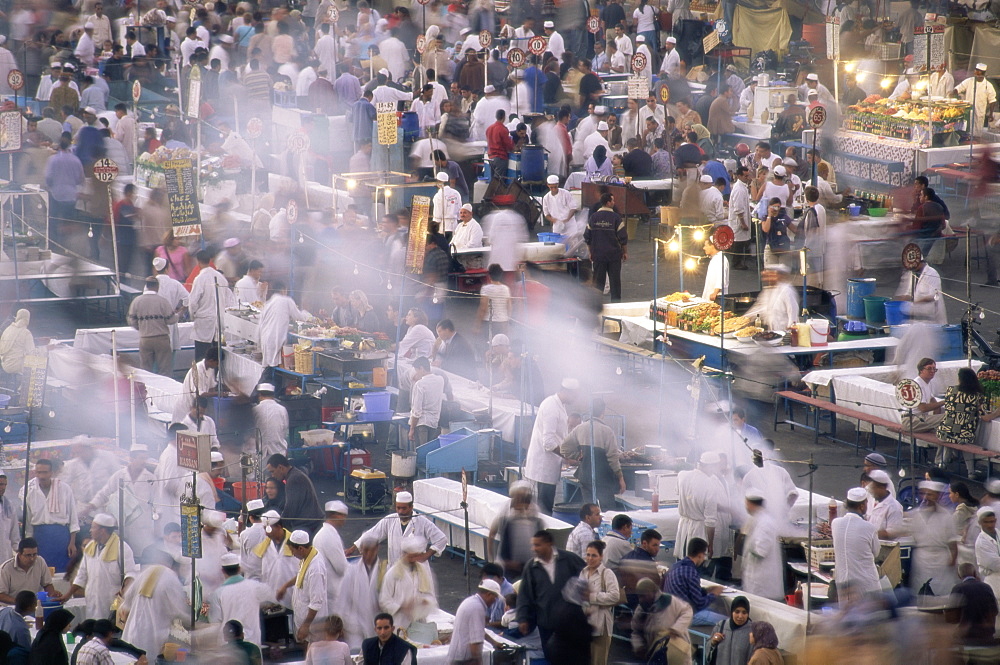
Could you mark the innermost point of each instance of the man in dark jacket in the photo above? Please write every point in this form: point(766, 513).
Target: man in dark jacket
point(607, 238)
point(452, 352)
point(387, 648)
point(302, 508)
point(540, 595)
point(976, 606)
point(637, 162)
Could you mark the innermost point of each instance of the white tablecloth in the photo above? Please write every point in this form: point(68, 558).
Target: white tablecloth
point(474, 397)
point(241, 373)
point(98, 340)
point(947, 373)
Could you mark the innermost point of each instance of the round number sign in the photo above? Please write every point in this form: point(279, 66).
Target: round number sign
point(298, 143)
point(664, 94)
point(136, 91)
point(638, 62)
point(332, 14)
point(593, 25)
point(817, 116)
point(255, 127)
point(292, 211)
point(105, 170)
point(908, 393)
point(485, 38)
point(15, 79)
point(912, 256)
point(723, 238)
point(537, 44)
point(424, 2)
point(421, 44)
point(516, 58)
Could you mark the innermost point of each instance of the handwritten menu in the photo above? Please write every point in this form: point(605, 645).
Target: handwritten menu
point(10, 131)
point(36, 367)
point(386, 119)
point(182, 197)
point(420, 215)
point(832, 38)
point(190, 531)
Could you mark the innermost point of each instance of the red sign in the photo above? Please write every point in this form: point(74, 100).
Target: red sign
point(912, 256)
point(817, 116)
point(255, 127)
point(194, 451)
point(537, 45)
point(516, 58)
point(136, 91)
point(332, 14)
point(638, 62)
point(593, 25)
point(105, 170)
point(908, 393)
point(15, 79)
point(723, 238)
point(485, 38)
point(292, 211)
point(421, 44)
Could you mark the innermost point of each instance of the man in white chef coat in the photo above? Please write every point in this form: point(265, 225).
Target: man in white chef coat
point(935, 542)
point(52, 516)
point(543, 463)
point(137, 486)
point(778, 302)
point(469, 232)
point(979, 92)
point(88, 471)
point(210, 295)
point(466, 645)
point(717, 275)
point(105, 560)
point(763, 568)
point(153, 601)
point(922, 288)
point(408, 591)
point(279, 311)
point(403, 524)
point(214, 545)
point(329, 544)
point(358, 601)
point(278, 563)
point(446, 204)
point(884, 512)
point(239, 598)
point(774, 481)
point(559, 208)
point(698, 504)
point(855, 546)
point(271, 418)
point(251, 537)
point(308, 587)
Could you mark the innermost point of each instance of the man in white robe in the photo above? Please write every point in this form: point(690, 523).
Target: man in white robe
point(331, 547)
point(855, 546)
point(88, 471)
point(698, 504)
point(271, 418)
point(278, 312)
point(278, 564)
point(935, 542)
point(988, 547)
point(103, 569)
point(358, 599)
point(214, 545)
point(153, 601)
point(559, 208)
point(308, 587)
point(201, 379)
point(52, 516)
point(252, 536)
point(240, 599)
point(774, 481)
point(210, 295)
point(408, 591)
point(763, 569)
point(404, 524)
point(138, 496)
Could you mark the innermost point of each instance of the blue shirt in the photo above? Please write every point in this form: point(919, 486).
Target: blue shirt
point(683, 581)
point(717, 169)
point(14, 625)
point(363, 112)
point(63, 176)
point(497, 608)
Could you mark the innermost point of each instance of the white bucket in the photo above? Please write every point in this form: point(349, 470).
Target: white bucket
point(404, 465)
point(820, 331)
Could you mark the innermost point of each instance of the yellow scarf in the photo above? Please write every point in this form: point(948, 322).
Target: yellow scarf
point(300, 579)
point(261, 547)
point(110, 552)
point(148, 586)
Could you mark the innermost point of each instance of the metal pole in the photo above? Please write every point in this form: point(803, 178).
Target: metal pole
point(593, 470)
point(815, 133)
point(114, 376)
point(680, 250)
point(468, 580)
point(656, 286)
point(27, 462)
point(114, 242)
point(808, 607)
point(131, 390)
point(194, 572)
point(121, 529)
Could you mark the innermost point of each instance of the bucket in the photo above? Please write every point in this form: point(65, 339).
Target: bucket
point(252, 491)
point(857, 289)
point(377, 401)
point(820, 331)
point(411, 126)
point(894, 315)
point(952, 347)
point(875, 309)
point(404, 465)
point(288, 357)
point(802, 335)
point(532, 164)
point(853, 210)
point(567, 512)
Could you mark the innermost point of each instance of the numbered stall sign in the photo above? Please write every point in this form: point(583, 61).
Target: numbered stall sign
point(593, 25)
point(15, 79)
point(537, 45)
point(638, 62)
point(908, 393)
point(516, 58)
point(105, 170)
point(817, 116)
point(485, 38)
point(255, 127)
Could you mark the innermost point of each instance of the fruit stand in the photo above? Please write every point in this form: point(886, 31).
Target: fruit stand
point(926, 122)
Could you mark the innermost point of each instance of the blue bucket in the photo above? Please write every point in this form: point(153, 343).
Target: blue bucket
point(377, 402)
point(857, 289)
point(952, 347)
point(411, 126)
point(894, 315)
point(532, 164)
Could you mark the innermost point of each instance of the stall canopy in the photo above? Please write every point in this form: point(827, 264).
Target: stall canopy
point(762, 25)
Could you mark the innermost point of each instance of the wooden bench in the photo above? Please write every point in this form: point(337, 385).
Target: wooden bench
point(816, 406)
point(930, 438)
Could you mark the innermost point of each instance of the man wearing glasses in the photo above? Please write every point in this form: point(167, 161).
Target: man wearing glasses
point(926, 416)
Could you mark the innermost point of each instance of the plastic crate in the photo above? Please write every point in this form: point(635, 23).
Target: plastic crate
point(888, 51)
point(284, 98)
point(821, 552)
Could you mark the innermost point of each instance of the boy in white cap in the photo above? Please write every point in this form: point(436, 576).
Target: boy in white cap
point(822, 92)
point(252, 535)
point(559, 208)
point(404, 524)
point(271, 418)
point(409, 592)
point(239, 598)
point(556, 46)
point(543, 464)
point(643, 48)
point(978, 91)
point(278, 564)
point(987, 556)
point(855, 546)
point(100, 570)
point(763, 569)
point(469, 630)
point(469, 233)
point(445, 205)
point(935, 542)
point(331, 547)
point(585, 128)
point(309, 595)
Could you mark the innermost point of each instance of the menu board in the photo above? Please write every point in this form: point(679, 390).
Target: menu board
point(190, 531)
point(929, 40)
point(832, 38)
point(182, 197)
point(638, 87)
point(194, 451)
point(420, 215)
point(387, 123)
point(36, 367)
point(10, 131)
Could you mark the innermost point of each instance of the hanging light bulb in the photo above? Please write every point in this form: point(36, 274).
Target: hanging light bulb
point(356, 269)
point(673, 245)
point(850, 67)
point(155, 515)
point(388, 284)
point(52, 414)
point(618, 371)
point(690, 264)
point(434, 300)
point(7, 428)
point(699, 235)
point(388, 193)
point(886, 82)
point(302, 239)
point(90, 231)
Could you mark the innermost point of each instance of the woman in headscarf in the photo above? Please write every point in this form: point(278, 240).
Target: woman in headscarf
point(598, 164)
point(964, 517)
point(730, 644)
point(704, 140)
point(765, 645)
point(48, 647)
point(363, 314)
point(604, 594)
point(570, 640)
point(16, 343)
point(274, 495)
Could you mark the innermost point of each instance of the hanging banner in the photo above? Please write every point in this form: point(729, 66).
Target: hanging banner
point(194, 93)
point(387, 123)
point(190, 531)
point(419, 217)
point(832, 38)
point(182, 197)
point(10, 131)
point(35, 372)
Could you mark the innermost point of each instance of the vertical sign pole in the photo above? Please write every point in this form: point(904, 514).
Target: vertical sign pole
point(114, 376)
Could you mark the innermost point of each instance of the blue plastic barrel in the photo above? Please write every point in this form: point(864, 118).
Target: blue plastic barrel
point(894, 315)
point(411, 126)
point(952, 347)
point(377, 402)
point(532, 164)
point(857, 289)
